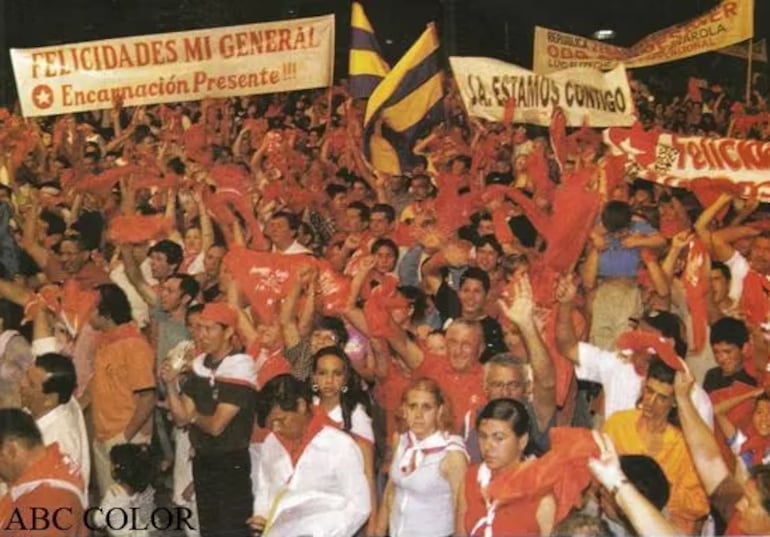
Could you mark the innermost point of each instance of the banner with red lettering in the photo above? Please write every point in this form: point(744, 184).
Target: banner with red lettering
point(676, 160)
point(181, 66)
point(732, 21)
point(587, 96)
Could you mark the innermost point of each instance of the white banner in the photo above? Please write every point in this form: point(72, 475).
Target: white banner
point(587, 96)
point(182, 66)
point(674, 160)
point(730, 22)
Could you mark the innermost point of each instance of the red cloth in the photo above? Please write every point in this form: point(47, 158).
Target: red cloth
point(739, 415)
point(756, 444)
point(101, 185)
point(636, 340)
point(509, 111)
point(693, 89)
point(54, 484)
point(463, 390)
point(221, 313)
point(220, 202)
point(134, 229)
point(707, 191)
point(563, 472)
point(334, 288)
point(196, 146)
point(263, 277)
point(697, 288)
point(382, 301)
point(537, 170)
point(503, 232)
point(558, 132)
point(754, 303)
point(76, 305)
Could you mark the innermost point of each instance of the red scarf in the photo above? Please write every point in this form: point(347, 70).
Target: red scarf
point(756, 444)
point(316, 425)
point(754, 303)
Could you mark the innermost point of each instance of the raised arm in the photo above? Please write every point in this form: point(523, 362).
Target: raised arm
point(719, 248)
point(135, 276)
point(519, 311)
point(566, 339)
point(703, 447)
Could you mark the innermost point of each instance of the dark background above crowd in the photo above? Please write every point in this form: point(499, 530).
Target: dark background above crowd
point(496, 28)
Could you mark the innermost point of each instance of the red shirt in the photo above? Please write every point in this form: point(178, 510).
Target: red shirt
point(463, 389)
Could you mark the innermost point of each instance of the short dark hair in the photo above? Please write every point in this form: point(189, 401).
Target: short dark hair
point(387, 210)
point(670, 326)
point(724, 269)
point(11, 314)
point(489, 240)
point(729, 330)
point(290, 218)
point(187, 284)
point(113, 303)
point(192, 310)
point(363, 210)
point(761, 476)
point(475, 273)
point(334, 324)
point(56, 224)
point(387, 243)
point(616, 215)
point(284, 391)
point(132, 465)
point(507, 410)
point(171, 250)
point(648, 478)
point(62, 378)
point(17, 424)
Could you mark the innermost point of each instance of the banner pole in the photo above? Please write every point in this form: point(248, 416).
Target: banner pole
point(748, 72)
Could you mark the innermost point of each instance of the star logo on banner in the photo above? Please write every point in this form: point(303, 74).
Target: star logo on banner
point(42, 96)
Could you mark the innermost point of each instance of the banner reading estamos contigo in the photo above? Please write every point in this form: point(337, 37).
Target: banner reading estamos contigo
point(587, 96)
point(180, 66)
point(675, 160)
point(730, 22)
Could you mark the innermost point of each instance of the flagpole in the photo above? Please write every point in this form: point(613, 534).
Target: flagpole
point(748, 72)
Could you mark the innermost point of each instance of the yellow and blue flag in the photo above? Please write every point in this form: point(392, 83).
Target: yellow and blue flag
point(366, 68)
point(404, 105)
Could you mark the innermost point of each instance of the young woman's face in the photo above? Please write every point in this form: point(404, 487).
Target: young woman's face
point(330, 376)
point(499, 445)
point(192, 241)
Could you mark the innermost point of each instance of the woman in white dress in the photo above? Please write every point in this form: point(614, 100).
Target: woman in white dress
point(337, 390)
point(424, 495)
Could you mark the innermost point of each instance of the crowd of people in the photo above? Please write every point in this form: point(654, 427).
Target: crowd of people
point(224, 299)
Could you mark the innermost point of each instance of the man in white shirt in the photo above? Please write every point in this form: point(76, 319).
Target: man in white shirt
point(282, 232)
point(621, 377)
point(311, 474)
point(46, 392)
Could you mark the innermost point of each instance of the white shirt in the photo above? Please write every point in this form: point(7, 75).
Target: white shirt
point(739, 267)
point(140, 311)
point(65, 426)
point(117, 503)
point(325, 495)
point(360, 422)
point(293, 249)
point(423, 505)
point(622, 384)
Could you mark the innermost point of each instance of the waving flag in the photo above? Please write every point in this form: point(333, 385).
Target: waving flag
point(404, 105)
point(366, 66)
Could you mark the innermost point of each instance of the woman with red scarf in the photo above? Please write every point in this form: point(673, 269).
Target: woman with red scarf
point(507, 495)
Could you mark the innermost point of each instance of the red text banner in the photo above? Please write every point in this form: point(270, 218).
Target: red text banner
point(180, 66)
point(675, 160)
point(732, 21)
point(587, 96)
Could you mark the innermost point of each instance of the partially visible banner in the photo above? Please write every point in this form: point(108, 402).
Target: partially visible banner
point(587, 96)
point(674, 160)
point(741, 50)
point(181, 66)
point(732, 21)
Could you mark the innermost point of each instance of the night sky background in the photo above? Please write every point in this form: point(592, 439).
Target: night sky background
point(497, 28)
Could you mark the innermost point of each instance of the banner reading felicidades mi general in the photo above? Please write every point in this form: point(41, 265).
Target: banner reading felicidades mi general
point(181, 66)
point(587, 96)
point(730, 22)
